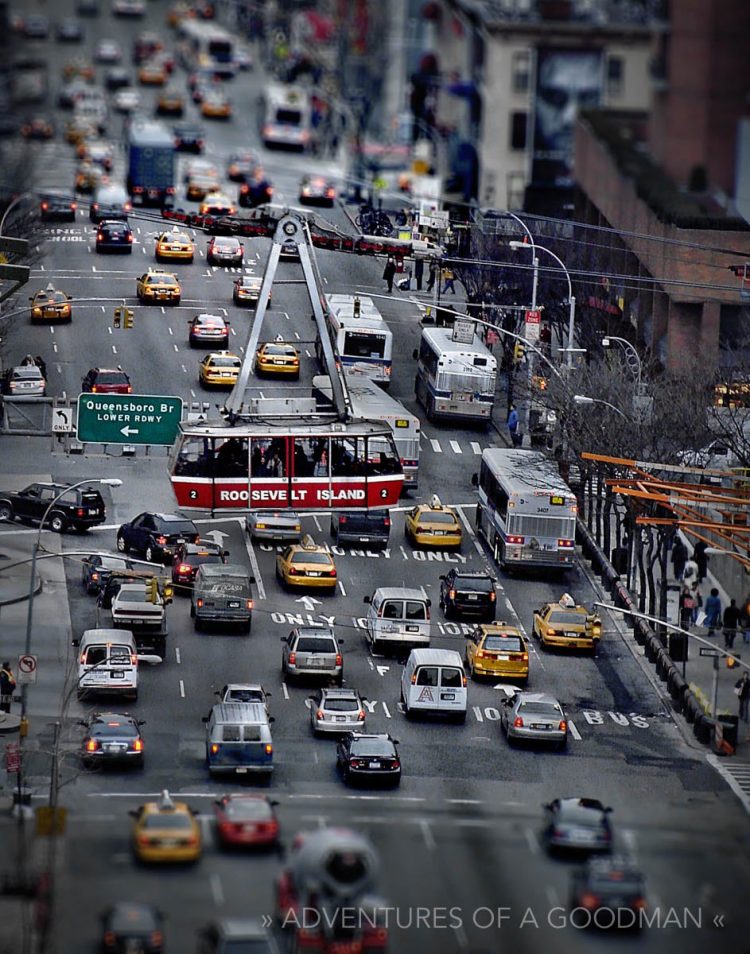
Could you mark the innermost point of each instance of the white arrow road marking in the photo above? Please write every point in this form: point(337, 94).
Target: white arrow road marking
point(309, 602)
point(218, 536)
point(382, 670)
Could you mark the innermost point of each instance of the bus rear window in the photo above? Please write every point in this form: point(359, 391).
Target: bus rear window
point(361, 345)
point(289, 117)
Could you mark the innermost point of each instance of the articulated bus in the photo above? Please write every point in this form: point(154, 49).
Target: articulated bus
point(285, 117)
point(362, 341)
point(207, 47)
point(526, 511)
point(455, 381)
point(370, 403)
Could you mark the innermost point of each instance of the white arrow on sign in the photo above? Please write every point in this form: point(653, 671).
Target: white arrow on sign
point(309, 602)
point(26, 669)
point(128, 430)
point(61, 421)
point(382, 670)
point(217, 536)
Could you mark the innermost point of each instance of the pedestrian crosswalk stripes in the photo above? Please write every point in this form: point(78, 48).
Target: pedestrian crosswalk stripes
point(454, 446)
point(737, 776)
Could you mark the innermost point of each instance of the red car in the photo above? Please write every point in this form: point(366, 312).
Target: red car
point(248, 820)
point(190, 556)
point(107, 381)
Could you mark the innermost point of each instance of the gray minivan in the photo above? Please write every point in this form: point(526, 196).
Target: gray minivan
point(365, 526)
point(397, 616)
point(238, 739)
point(222, 593)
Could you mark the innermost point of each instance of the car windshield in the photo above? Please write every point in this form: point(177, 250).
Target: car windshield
point(175, 821)
point(248, 809)
point(438, 516)
point(56, 296)
point(482, 584)
point(210, 322)
point(161, 280)
point(311, 556)
point(504, 644)
point(116, 730)
point(566, 619)
point(546, 709)
point(27, 373)
point(199, 559)
point(315, 644)
point(341, 705)
point(372, 747)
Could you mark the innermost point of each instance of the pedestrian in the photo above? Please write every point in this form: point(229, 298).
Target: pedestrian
point(701, 558)
point(679, 558)
point(731, 618)
point(388, 272)
point(28, 361)
point(7, 685)
point(687, 605)
point(448, 279)
point(713, 611)
point(742, 691)
point(42, 365)
point(690, 572)
point(418, 272)
point(433, 276)
point(515, 437)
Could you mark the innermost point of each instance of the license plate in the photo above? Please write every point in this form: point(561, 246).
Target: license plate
point(374, 765)
point(248, 829)
point(175, 248)
point(502, 656)
point(448, 696)
point(363, 540)
point(117, 675)
point(168, 842)
point(472, 596)
point(538, 725)
point(114, 747)
point(242, 771)
point(572, 635)
point(234, 604)
point(412, 629)
point(438, 533)
point(316, 662)
point(340, 718)
point(279, 361)
point(313, 573)
point(94, 511)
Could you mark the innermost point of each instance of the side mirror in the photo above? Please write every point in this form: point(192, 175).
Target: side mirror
point(395, 741)
point(442, 576)
point(475, 480)
point(205, 719)
point(341, 642)
point(75, 642)
point(217, 801)
point(429, 602)
point(268, 695)
point(217, 692)
point(140, 722)
point(252, 578)
point(226, 553)
point(415, 354)
point(273, 803)
point(271, 719)
point(367, 599)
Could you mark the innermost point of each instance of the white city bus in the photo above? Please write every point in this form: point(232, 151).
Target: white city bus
point(362, 341)
point(285, 117)
point(370, 403)
point(526, 511)
point(455, 381)
point(207, 47)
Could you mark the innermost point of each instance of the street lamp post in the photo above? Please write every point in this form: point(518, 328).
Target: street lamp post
point(585, 399)
point(534, 282)
point(633, 357)
point(12, 205)
point(571, 299)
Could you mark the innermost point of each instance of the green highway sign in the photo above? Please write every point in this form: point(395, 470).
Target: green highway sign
point(128, 418)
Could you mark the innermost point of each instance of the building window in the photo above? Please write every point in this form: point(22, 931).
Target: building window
point(521, 71)
point(615, 71)
point(518, 124)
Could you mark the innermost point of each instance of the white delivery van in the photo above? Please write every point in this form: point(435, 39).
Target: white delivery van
point(397, 616)
point(434, 680)
point(107, 663)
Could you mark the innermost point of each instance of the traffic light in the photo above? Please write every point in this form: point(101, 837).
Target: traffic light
point(168, 592)
point(539, 383)
point(731, 661)
point(118, 316)
point(128, 318)
point(152, 590)
point(519, 352)
point(357, 307)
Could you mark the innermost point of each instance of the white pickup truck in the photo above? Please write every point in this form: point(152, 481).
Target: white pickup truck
point(133, 609)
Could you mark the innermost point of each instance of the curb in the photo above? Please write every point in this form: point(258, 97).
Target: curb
point(22, 596)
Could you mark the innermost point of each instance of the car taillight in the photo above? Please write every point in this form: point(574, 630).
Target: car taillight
point(387, 522)
point(161, 540)
point(464, 680)
point(638, 903)
point(552, 632)
point(320, 714)
point(451, 594)
point(73, 206)
point(269, 748)
point(170, 189)
point(343, 518)
point(481, 654)
point(99, 236)
point(110, 938)
point(249, 604)
point(80, 512)
point(191, 840)
point(332, 571)
point(493, 596)
point(566, 544)
point(357, 763)
point(214, 748)
point(525, 657)
point(292, 658)
point(395, 763)
point(92, 745)
point(589, 901)
point(514, 539)
point(45, 206)
point(293, 572)
point(199, 602)
point(562, 725)
point(184, 568)
point(130, 238)
point(518, 722)
point(94, 389)
point(94, 576)
point(339, 659)
point(138, 745)
point(157, 938)
point(134, 659)
point(361, 715)
point(129, 390)
point(138, 189)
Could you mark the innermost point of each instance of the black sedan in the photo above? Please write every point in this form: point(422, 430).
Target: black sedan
point(189, 137)
point(112, 738)
point(157, 536)
point(69, 30)
point(132, 926)
point(96, 570)
point(57, 207)
point(608, 893)
point(255, 190)
point(242, 165)
point(316, 190)
point(371, 758)
point(114, 236)
point(577, 824)
point(189, 557)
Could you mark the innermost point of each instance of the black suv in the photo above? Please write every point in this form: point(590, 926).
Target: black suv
point(114, 236)
point(372, 527)
point(468, 594)
point(79, 508)
point(156, 535)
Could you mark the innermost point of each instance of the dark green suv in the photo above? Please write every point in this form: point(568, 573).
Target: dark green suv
point(78, 508)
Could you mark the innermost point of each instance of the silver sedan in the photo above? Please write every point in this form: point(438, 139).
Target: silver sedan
point(534, 717)
point(337, 710)
point(274, 525)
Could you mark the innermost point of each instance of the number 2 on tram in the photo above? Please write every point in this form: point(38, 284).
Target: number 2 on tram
point(275, 466)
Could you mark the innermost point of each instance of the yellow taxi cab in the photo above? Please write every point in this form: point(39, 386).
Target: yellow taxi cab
point(305, 564)
point(567, 625)
point(220, 369)
point(153, 73)
point(177, 13)
point(201, 185)
point(277, 357)
point(433, 525)
point(166, 831)
point(215, 105)
point(216, 203)
point(170, 102)
point(497, 650)
point(156, 285)
point(51, 304)
point(176, 245)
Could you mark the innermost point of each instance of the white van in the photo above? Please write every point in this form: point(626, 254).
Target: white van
point(107, 663)
point(434, 680)
point(397, 616)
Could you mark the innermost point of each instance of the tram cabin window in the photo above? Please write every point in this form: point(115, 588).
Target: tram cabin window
point(231, 457)
point(268, 457)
